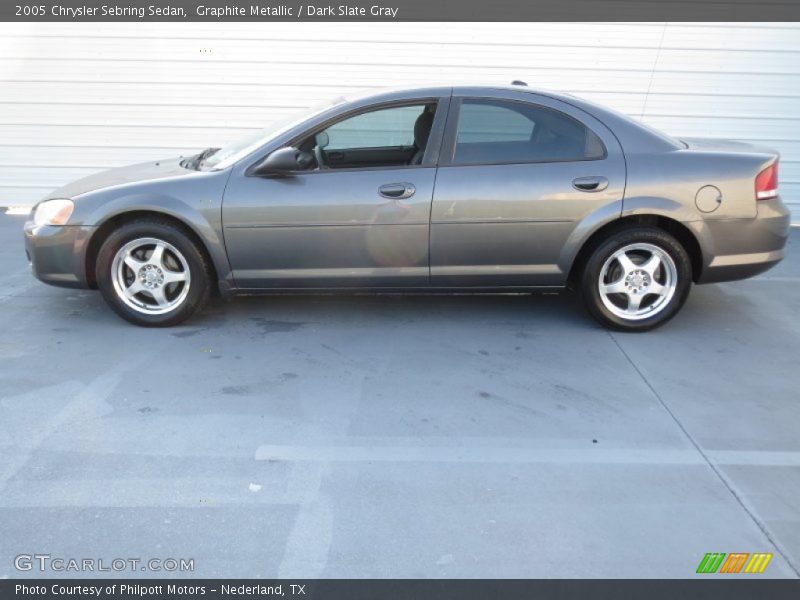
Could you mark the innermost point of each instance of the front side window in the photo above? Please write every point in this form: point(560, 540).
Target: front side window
point(387, 137)
point(381, 128)
point(497, 132)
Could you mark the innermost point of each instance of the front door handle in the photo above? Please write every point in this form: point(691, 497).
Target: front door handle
point(590, 184)
point(397, 191)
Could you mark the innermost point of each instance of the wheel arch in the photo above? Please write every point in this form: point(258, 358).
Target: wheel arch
point(675, 228)
point(109, 224)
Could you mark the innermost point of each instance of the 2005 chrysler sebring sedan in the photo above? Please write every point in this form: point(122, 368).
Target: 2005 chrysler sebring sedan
point(451, 189)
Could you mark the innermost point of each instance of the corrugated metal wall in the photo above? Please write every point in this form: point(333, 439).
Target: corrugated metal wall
point(76, 98)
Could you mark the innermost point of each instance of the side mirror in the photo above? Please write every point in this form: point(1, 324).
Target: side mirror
point(281, 162)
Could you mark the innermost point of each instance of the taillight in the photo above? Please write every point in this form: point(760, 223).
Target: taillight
point(767, 183)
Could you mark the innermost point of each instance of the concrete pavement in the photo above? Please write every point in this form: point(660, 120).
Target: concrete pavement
point(390, 436)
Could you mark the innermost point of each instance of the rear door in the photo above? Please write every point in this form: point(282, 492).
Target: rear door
point(518, 174)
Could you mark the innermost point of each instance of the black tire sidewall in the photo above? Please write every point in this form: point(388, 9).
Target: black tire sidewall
point(198, 269)
point(648, 235)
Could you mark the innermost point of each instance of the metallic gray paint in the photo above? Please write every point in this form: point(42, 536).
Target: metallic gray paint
point(490, 227)
point(328, 228)
point(162, 187)
point(508, 224)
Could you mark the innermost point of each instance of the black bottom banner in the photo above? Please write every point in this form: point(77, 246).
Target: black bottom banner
point(403, 589)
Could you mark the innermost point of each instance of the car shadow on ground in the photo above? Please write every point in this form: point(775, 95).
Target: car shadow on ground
point(464, 307)
point(707, 308)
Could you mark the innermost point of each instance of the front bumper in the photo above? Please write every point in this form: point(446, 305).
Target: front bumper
point(57, 254)
point(741, 248)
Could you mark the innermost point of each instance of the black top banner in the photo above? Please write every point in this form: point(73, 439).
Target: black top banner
point(400, 10)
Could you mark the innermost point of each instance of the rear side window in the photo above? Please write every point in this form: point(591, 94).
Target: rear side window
point(497, 132)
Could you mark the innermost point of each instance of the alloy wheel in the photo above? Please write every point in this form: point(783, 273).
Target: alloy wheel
point(150, 275)
point(637, 281)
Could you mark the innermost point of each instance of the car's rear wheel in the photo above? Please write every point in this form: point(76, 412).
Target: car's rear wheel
point(637, 279)
point(151, 273)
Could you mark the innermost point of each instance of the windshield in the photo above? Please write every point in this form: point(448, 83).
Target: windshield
point(228, 155)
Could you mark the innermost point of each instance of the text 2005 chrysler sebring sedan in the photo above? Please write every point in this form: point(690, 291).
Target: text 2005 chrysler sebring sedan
point(480, 189)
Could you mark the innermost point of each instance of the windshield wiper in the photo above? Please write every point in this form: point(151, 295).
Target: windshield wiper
point(194, 162)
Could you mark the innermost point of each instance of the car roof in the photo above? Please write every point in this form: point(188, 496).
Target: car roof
point(417, 90)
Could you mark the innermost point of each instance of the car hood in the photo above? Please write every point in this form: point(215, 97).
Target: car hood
point(138, 173)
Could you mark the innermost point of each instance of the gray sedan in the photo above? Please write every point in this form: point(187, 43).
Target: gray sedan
point(446, 189)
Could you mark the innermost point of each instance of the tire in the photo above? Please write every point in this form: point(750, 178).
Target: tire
point(637, 279)
point(152, 273)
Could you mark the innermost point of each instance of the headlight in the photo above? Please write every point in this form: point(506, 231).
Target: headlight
point(53, 212)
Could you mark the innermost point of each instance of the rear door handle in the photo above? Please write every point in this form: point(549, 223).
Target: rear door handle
point(397, 191)
point(590, 184)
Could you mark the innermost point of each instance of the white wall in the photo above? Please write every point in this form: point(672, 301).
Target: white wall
point(76, 98)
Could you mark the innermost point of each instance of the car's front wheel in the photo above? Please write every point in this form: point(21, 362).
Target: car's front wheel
point(637, 279)
point(151, 273)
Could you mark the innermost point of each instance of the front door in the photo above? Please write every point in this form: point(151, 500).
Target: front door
point(358, 217)
point(516, 178)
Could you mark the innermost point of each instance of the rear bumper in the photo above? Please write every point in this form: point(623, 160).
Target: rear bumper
point(741, 248)
point(57, 255)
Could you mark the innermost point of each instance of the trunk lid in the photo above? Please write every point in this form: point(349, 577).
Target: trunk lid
point(724, 145)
